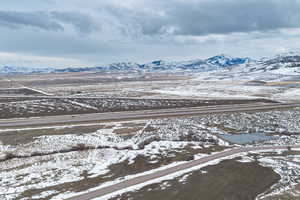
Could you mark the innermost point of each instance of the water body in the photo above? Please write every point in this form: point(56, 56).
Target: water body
point(246, 138)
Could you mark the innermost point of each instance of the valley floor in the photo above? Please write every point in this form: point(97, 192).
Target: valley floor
point(60, 161)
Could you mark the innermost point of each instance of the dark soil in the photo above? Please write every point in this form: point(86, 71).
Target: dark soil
point(19, 91)
point(39, 106)
point(287, 195)
point(230, 180)
point(120, 170)
point(25, 136)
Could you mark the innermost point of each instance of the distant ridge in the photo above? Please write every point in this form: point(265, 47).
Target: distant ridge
point(199, 65)
point(288, 63)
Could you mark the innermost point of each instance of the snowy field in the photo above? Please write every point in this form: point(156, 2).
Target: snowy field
point(60, 161)
point(56, 166)
point(198, 86)
point(12, 107)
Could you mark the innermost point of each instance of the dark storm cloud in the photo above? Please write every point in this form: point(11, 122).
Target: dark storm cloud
point(139, 30)
point(40, 20)
point(82, 22)
point(227, 16)
point(205, 17)
point(49, 21)
point(190, 17)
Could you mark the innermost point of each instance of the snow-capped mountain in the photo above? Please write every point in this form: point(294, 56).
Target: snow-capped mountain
point(285, 64)
point(283, 67)
point(197, 65)
point(288, 64)
point(23, 70)
point(226, 61)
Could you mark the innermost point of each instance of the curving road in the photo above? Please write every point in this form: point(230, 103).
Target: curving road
point(144, 178)
point(143, 114)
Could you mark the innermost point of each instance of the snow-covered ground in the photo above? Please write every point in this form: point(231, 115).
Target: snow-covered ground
point(229, 88)
point(157, 139)
point(289, 94)
point(46, 166)
point(220, 90)
point(12, 107)
point(25, 174)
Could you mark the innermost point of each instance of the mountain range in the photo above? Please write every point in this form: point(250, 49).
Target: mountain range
point(288, 63)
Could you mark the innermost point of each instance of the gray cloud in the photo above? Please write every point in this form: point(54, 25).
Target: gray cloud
point(40, 20)
point(82, 22)
point(191, 17)
point(227, 16)
point(142, 30)
point(47, 20)
point(213, 16)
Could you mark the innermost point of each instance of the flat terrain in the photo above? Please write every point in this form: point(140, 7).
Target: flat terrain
point(142, 179)
point(227, 180)
point(65, 135)
point(200, 86)
point(62, 160)
point(18, 91)
point(33, 106)
point(142, 114)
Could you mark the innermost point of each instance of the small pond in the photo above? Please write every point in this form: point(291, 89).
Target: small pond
point(246, 138)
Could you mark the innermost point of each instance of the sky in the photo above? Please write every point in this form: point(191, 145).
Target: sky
point(96, 32)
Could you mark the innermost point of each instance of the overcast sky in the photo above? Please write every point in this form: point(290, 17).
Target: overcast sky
point(95, 32)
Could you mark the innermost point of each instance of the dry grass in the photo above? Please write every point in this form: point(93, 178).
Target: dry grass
point(127, 131)
point(26, 136)
point(287, 195)
point(227, 180)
